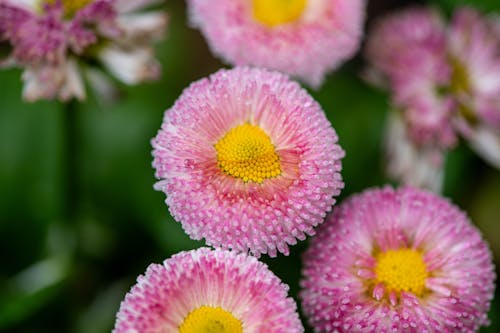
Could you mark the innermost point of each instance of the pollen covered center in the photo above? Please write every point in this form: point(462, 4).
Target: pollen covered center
point(276, 12)
point(461, 84)
point(207, 319)
point(401, 270)
point(71, 6)
point(246, 152)
point(459, 78)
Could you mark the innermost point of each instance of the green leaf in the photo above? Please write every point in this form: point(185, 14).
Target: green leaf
point(32, 288)
point(483, 5)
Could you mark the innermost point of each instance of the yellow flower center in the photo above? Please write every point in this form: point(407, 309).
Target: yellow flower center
point(401, 270)
point(460, 84)
point(207, 319)
point(246, 152)
point(276, 12)
point(460, 77)
point(71, 6)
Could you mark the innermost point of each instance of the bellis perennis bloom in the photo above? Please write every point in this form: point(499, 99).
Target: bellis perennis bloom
point(303, 38)
point(413, 65)
point(397, 261)
point(55, 39)
point(208, 291)
point(444, 81)
point(474, 45)
point(248, 161)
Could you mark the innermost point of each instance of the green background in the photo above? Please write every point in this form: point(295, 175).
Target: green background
point(79, 219)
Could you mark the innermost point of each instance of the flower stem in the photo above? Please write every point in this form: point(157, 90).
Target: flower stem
point(71, 170)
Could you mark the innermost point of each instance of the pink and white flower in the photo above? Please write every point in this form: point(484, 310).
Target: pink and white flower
point(55, 40)
point(401, 260)
point(303, 38)
point(444, 81)
point(474, 44)
point(248, 161)
point(408, 51)
point(208, 291)
point(408, 55)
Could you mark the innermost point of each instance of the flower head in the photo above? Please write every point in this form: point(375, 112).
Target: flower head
point(208, 291)
point(474, 45)
point(248, 161)
point(55, 39)
point(397, 260)
point(303, 38)
point(413, 63)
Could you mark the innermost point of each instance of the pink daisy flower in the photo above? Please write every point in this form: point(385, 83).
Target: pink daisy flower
point(248, 161)
point(414, 65)
point(208, 291)
point(388, 52)
point(306, 39)
point(401, 260)
point(475, 52)
point(474, 45)
point(444, 81)
point(54, 40)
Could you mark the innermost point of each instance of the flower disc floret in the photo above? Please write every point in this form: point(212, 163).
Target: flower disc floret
point(246, 152)
point(248, 161)
point(402, 260)
point(401, 270)
point(208, 319)
point(276, 12)
point(208, 291)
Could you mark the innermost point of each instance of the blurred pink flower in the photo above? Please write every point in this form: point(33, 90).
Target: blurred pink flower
point(401, 260)
point(413, 62)
point(303, 38)
point(387, 44)
point(474, 47)
point(444, 82)
point(55, 40)
point(208, 291)
point(248, 161)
